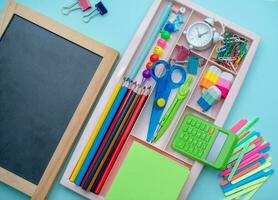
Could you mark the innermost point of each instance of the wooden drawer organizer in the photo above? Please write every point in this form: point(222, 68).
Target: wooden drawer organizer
point(217, 114)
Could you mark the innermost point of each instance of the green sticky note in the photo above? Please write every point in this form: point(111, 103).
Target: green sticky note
point(147, 175)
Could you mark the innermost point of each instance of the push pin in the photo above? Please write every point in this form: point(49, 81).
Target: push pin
point(101, 10)
point(79, 5)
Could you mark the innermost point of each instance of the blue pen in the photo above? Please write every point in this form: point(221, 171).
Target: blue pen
point(256, 176)
point(162, 21)
point(101, 134)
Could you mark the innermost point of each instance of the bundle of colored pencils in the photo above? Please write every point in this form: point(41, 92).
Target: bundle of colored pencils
point(109, 136)
point(249, 166)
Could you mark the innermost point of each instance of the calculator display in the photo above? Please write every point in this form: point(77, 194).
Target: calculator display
point(216, 147)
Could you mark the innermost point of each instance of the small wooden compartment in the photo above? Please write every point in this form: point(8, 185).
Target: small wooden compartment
point(217, 114)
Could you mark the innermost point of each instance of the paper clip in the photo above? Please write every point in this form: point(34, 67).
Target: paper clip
point(101, 10)
point(82, 5)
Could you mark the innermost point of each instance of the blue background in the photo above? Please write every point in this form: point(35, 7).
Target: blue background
point(258, 96)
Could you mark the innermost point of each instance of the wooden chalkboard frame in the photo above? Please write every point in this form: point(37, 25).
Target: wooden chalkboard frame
point(109, 57)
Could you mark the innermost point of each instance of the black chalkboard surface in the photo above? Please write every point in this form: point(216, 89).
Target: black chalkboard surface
point(42, 79)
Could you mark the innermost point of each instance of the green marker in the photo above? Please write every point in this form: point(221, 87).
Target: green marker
point(169, 115)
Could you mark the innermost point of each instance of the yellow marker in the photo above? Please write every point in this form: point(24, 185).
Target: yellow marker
point(94, 134)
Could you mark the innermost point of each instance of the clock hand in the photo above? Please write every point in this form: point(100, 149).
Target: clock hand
point(203, 34)
point(198, 31)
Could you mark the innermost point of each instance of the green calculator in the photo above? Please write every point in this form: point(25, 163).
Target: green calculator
point(203, 141)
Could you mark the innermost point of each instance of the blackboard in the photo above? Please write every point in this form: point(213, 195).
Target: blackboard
point(42, 80)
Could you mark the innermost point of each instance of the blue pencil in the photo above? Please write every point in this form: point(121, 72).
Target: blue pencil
point(102, 131)
point(108, 142)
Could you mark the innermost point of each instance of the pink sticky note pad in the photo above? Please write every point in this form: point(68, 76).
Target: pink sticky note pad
point(84, 4)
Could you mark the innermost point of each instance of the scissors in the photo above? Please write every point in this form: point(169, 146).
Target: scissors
point(164, 85)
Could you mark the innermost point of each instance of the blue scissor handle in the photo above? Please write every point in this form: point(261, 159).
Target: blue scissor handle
point(166, 75)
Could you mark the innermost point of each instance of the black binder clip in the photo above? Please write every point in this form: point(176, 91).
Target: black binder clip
point(100, 8)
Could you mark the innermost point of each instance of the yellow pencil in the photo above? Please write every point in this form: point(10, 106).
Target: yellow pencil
point(94, 134)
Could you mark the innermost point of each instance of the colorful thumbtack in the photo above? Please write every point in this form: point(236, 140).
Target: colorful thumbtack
point(224, 83)
point(209, 98)
point(100, 8)
point(82, 5)
point(193, 64)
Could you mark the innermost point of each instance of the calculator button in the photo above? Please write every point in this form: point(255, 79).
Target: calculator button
point(193, 123)
point(202, 127)
point(194, 132)
point(211, 131)
point(198, 125)
point(195, 151)
point(185, 129)
point(198, 134)
point(180, 144)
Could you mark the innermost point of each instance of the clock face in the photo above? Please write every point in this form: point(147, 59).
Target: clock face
point(199, 35)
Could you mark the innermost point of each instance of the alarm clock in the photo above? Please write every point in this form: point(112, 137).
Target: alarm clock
point(202, 35)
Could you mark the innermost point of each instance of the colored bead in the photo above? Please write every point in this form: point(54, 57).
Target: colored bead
point(161, 42)
point(170, 27)
point(165, 35)
point(149, 65)
point(154, 58)
point(158, 50)
point(146, 74)
point(161, 102)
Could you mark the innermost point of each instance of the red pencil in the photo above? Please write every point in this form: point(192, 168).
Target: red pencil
point(111, 127)
point(122, 141)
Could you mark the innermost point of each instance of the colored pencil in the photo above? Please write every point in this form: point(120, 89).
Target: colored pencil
point(95, 132)
point(110, 134)
point(116, 144)
point(118, 131)
point(124, 91)
point(122, 141)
